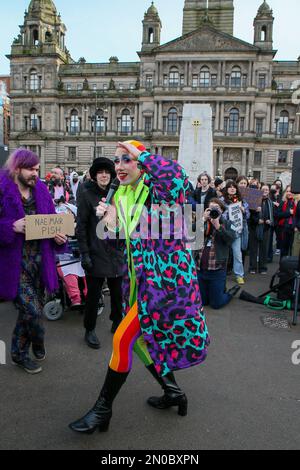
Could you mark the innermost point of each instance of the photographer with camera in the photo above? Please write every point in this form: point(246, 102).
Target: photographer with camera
point(213, 257)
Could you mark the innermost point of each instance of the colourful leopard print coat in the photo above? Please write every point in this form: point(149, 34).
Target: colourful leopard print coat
point(169, 303)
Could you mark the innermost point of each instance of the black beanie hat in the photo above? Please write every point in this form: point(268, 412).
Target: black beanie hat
point(102, 163)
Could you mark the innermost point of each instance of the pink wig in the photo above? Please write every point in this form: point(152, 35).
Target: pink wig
point(21, 158)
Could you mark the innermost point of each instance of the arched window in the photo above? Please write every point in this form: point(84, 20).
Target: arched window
point(150, 35)
point(48, 36)
point(263, 36)
point(284, 120)
point(174, 77)
point(74, 128)
point(33, 120)
point(35, 37)
point(126, 122)
point(100, 121)
point(236, 78)
point(34, 80)
point(205, 77)
point(172, 121)
point(234, 118)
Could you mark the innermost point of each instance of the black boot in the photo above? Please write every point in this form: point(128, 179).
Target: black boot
point(99, 416)
point(173, 395)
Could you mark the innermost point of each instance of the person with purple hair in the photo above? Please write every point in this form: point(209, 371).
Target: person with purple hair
point(27, 268)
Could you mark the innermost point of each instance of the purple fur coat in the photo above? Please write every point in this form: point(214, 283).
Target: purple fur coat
point(11, 243)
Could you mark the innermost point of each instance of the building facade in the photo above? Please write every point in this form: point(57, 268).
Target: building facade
point(69, 112)
point(4, 110)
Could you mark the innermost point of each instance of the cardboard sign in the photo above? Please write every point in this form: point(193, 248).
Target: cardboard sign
point(41, 227)
point(253, 197)
point(236, 216)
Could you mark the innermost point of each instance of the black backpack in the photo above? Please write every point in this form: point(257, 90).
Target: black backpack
point(288, 266)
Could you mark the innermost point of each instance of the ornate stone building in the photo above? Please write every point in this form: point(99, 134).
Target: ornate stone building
point(71, 111)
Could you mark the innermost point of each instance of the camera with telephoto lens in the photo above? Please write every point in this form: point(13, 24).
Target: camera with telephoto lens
point(215, 214)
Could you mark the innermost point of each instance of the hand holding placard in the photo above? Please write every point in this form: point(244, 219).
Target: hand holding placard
point(42, 227)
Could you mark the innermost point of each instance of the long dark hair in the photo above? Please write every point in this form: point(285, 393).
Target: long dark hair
point(230, 184)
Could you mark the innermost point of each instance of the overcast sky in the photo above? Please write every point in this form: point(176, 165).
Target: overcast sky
point(99, 29)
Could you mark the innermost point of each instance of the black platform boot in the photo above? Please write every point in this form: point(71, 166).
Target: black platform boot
point(99, 416)
point(173, 395)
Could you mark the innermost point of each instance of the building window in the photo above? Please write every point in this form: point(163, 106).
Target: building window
point(245, 80)
point(94, 87)
point(181, 80)
point(234, 121)
point(100, 122)
point(262, 80)
point(173, 78)
point(283, 126)
point(72, 154)
point(257, 175)
point(33, 120)
point(148, 125)
point(195, 82)
point(214, 81)
point(172, 121)
point(126, 122)
point(259, 127)
point(149, 82)
point(69, 87)
point(74, 128)
point(236, 78)
point(34, 80)
point(258, 158)
point(283, 157)
point(205, 77)
point(79, 86)
point(105, 87)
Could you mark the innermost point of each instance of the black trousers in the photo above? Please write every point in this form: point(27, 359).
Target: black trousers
point(258, 250)
point(94, 285)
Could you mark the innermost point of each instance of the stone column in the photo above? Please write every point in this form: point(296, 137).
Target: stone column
point(219, 74)
point(109, 122)
point(114, 120)
point(217, 116)
point(190, 74)
point(252, 117)
point(247, 121)
point(244, 162)
point(160, 117)
point(155, 123)
point(221, 160)
point(272, 127)
point(136, 118)
point(222, 104)
point(187, 75)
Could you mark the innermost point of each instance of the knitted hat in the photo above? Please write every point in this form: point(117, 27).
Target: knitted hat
point(102, 163)
point(136, 144)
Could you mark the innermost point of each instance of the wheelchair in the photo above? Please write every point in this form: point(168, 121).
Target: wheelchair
point(59, 303)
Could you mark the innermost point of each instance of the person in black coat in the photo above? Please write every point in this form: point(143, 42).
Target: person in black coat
point(204, 192)
point(100, 258)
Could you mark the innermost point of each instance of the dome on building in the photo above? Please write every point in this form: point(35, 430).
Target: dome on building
point(47, 6)
point(152, 10)
point(265, 9)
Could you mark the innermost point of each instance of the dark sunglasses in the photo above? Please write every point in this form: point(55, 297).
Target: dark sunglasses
point(125, 159)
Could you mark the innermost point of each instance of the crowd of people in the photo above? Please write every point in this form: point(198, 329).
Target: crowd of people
point(271, 228)
point(156, 308)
